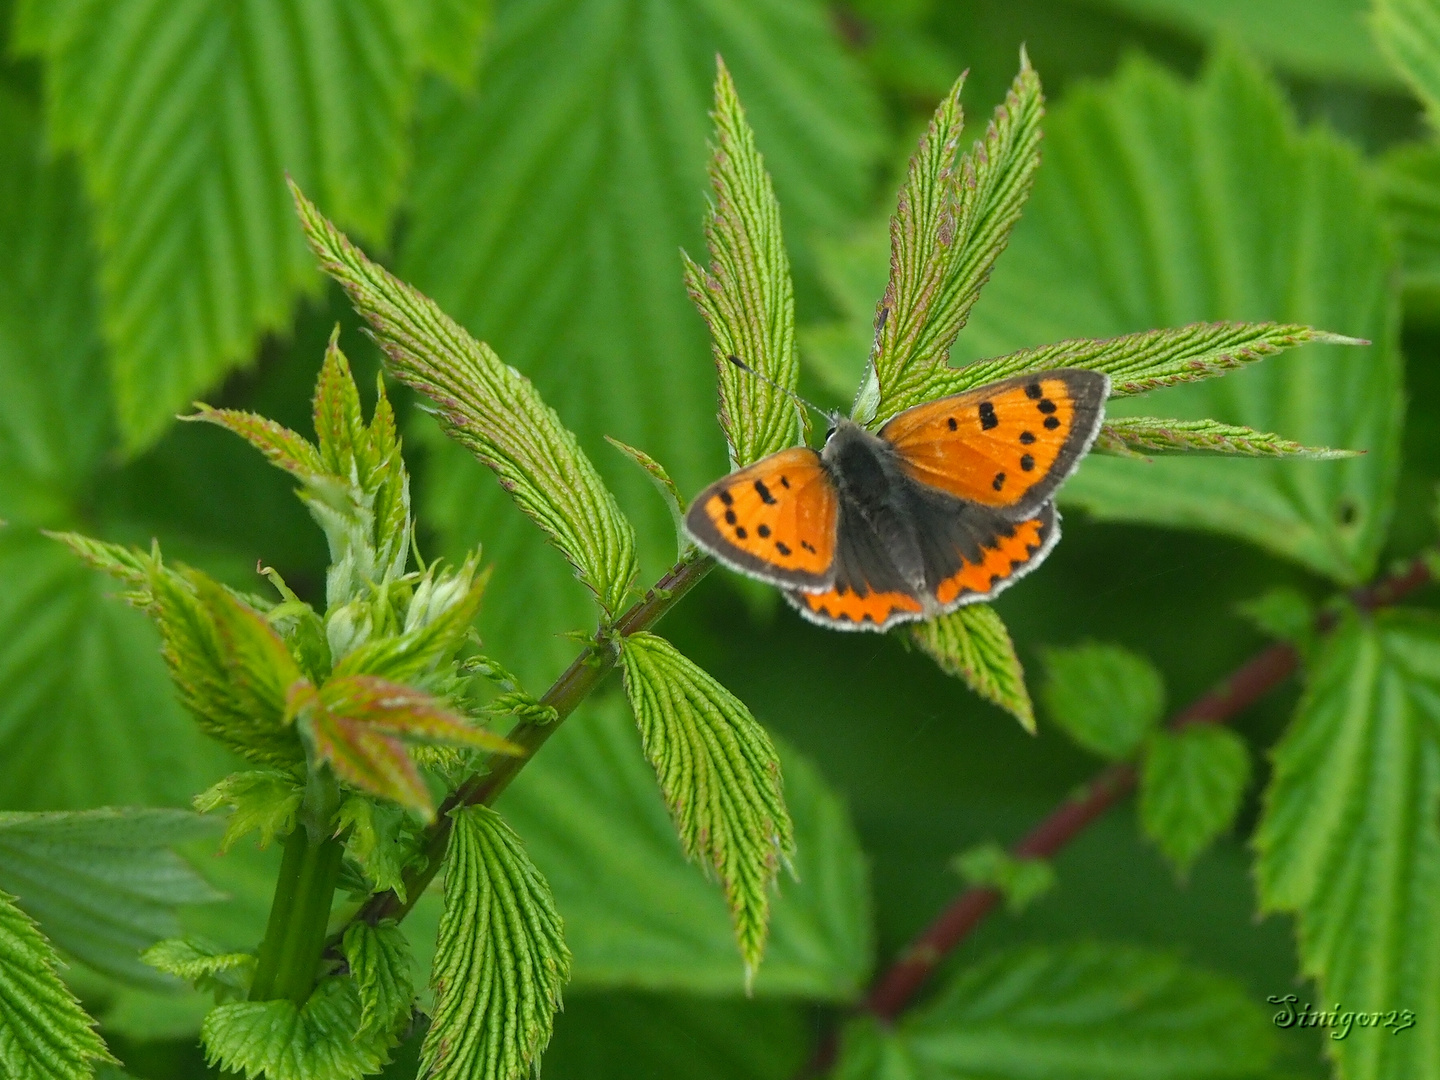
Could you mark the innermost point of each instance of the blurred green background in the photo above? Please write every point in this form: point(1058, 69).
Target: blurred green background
point(536, 168)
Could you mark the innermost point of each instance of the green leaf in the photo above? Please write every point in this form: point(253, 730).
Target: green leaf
point(500, 960)
point(545, 215)
point(184, 129)
point(1350, 837)
point(103, 883)
point(639, 915)
point(720, 777)
point(1408, 32)
point(1084, 1012)
point(1020, 881)
point(379, 959)
point(1410, 179)
point(949, 229)
point(453, 36)
point(204, 964)
point(493, 411)
point(669, 493)
point(973, 644)
point(44, 1033)
point(262, 800)
point(1162, 204)
point(1141, 436)
point(375, 842)
point(1191, 785)
point(1285, 614)
point(1106, 698)
point(746, 295)
point(320, 1041)
point(1322, 40)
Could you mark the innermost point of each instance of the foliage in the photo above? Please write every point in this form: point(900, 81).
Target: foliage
point(1107, 699)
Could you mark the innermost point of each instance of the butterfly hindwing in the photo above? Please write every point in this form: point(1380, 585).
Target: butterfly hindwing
point(1009, 444)
point(774, 520)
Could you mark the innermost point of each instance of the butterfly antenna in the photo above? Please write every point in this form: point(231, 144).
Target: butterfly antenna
point(824, 414)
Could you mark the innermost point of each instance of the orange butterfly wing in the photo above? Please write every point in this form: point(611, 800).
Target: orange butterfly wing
point(1009, 444)
point(845, 609)
point(774, 520)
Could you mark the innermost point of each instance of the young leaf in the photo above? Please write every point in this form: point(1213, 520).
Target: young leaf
point(719, 775)
point(973, 644)
point(1152, 359)
point(1191, 785)
point(203, 964)
point(492, 410)
point(262, 800)
point(746, 296)
point(500, 959)
point(1020, 881)
point(44, 1033)
point(1106, 698)
point(1285, 614)
point(1163, 203)
point(375, 841)
point(1142, 436)
point(379, 959)
point(949, 230)
point(200, 254)
point(103, 884)
point(1350, 836)
point(638, 914)
point(320, 1041)
point(668, 492)
point(1085, 1012)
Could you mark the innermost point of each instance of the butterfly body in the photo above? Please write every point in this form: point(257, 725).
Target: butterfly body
point(947, 504)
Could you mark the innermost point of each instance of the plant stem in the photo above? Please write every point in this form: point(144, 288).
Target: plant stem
point(575, 684)
point(295, 931)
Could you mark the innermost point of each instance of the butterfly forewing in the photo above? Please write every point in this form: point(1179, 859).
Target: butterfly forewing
point(774, 520)
point(1009, 444)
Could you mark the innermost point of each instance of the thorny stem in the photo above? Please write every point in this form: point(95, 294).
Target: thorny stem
point(575, 684)
point(897, 986)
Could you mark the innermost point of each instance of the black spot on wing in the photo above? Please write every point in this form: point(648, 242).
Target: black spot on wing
point(782, 547)
point(1026, 463)
point(740, 532)
point(988, 419)
point(1026, 438)
point(726, 498)
point(998, 482)
point(953, 423)
point(1052, 422)
point(764, 493)
point(1046, 406)
point(1032, 390)
point(764, 531)
point(730, 517)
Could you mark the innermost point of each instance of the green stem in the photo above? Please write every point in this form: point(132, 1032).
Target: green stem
point(484, 786)
point(295, 932)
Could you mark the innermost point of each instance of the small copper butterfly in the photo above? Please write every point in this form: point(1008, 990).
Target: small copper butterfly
point(948, 504)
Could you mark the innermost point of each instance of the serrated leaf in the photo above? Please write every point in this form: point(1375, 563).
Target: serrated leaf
point(972, 643)
point(44, 1033)
point(1191, 784)
point(500, 960)
point(577, 284)
point(405, 711)
point(184, 136)
point(1408, 33)
point(375, 842)
point(746, 295)
point(1143, 436)
point(1349, 840)
point(1410, 179)
point(1020, 881)
point(669, 493)
point(204, 964)
point(950, 228)
point(1163, 203)
point(639, 914)
point(1105, 697)
point(261, 800)
point(493, 411)
point(379, 959)
point(320, 1041)
point(1084, 1012)
point(720, 777)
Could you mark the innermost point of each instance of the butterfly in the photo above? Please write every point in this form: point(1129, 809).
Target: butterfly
point(948, 504)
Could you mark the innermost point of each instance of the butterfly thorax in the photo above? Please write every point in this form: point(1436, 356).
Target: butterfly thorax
point(872, 484)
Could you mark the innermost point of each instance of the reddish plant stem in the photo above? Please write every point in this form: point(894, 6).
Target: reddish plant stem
point(897, 986)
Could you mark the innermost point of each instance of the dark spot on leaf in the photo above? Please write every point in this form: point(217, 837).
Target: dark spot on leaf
point(880, 322)
point(952, 422)
point(1032, 390)
point(988, 419)
point(1026, 463)
point(726, 498)
point(782, 547)
point(1026, 438)
point(998, 482)
point(1347, 512)
point(729, 517)
point(740, 532)
point(764, 493)
point(764, 531)
point(1046, 406)
point(1052, 422)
